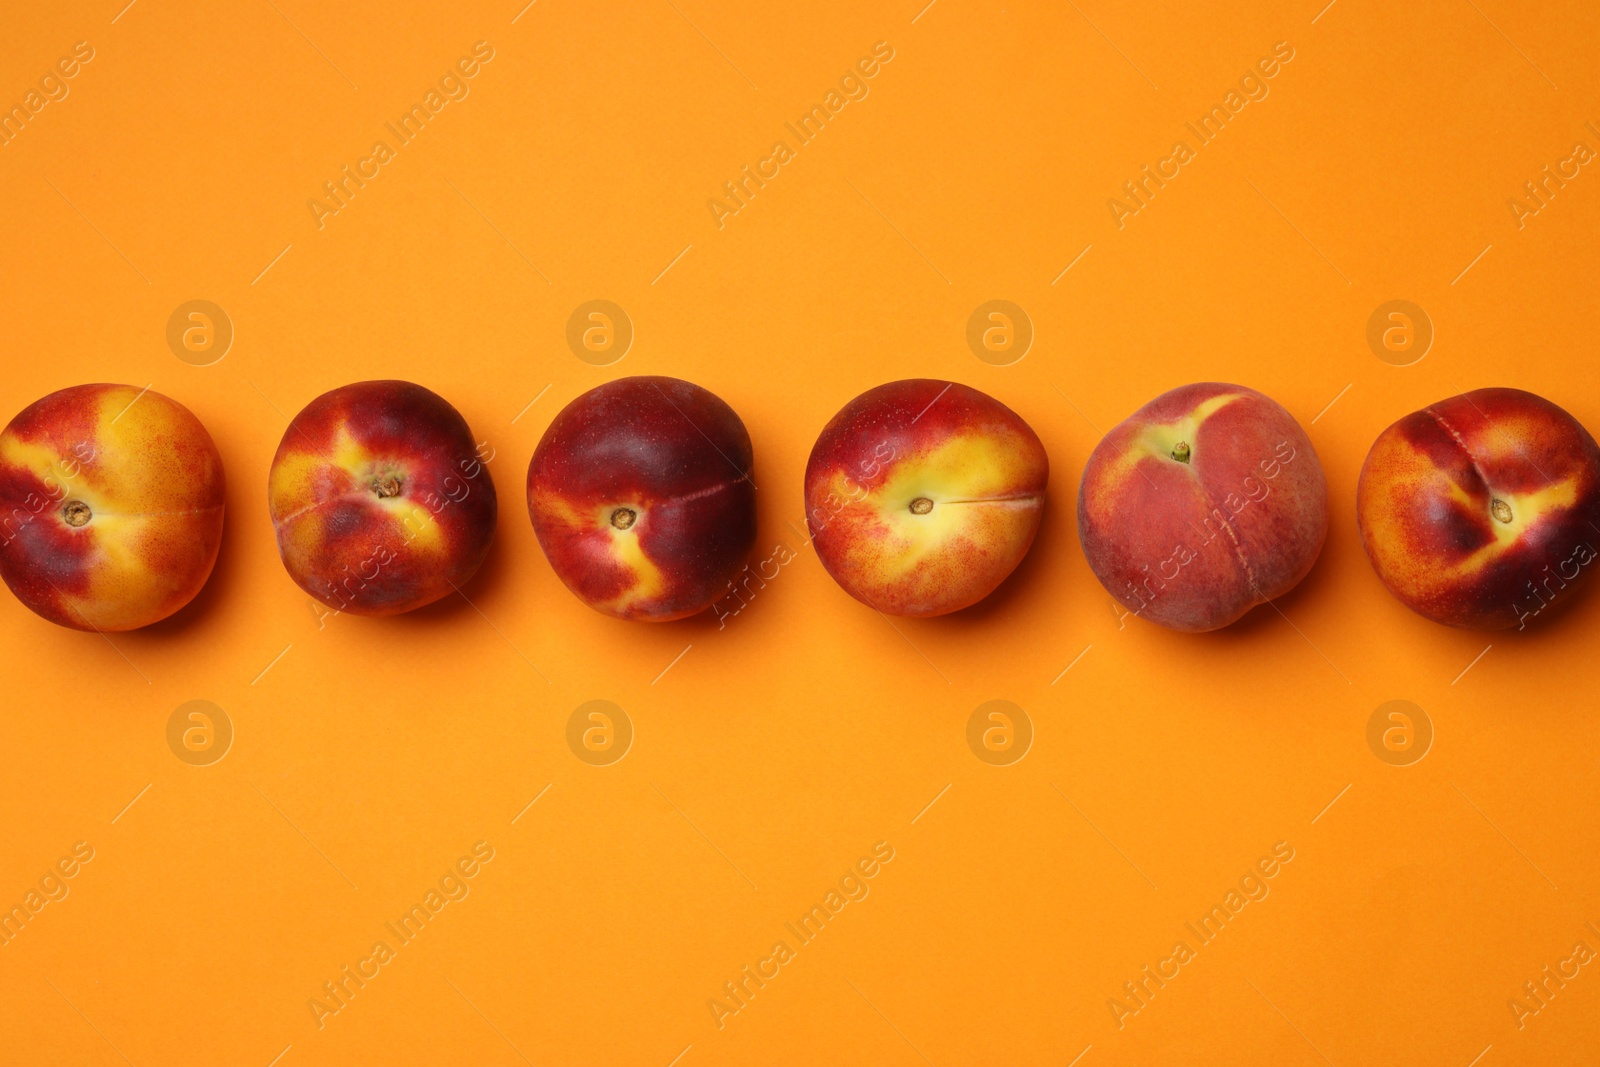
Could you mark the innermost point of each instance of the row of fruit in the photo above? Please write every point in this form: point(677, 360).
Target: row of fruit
point(921, 497)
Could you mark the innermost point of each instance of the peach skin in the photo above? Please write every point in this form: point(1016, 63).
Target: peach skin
point(1481, 510)
point(1204, 503)
point(922, 496)
point(381, 501)
point(641, 497)
point(113, 501)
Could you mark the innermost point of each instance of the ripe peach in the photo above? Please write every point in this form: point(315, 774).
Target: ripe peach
point(641, 496)
point(922, 496)
point(1202, 504)
point(113, 506)
point(381, 501)
point(1481, 510)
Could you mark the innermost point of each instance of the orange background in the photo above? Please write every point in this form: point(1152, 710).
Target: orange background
point(370, 754)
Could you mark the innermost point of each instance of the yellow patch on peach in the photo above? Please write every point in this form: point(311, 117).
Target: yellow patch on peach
point(138, 430)
point(649, 583)
point(290, 480)
point(623, 546)
point(1420, 477)
point(42, 460)
point(292, 484)
point(1160, 438)
point(964, 478)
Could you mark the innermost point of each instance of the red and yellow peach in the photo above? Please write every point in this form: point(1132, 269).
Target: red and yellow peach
point(113, 504)
point(1483, 509)
point(380, 498)
point(1204, 503)
point(922, 496)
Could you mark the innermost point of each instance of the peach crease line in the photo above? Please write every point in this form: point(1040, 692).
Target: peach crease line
point(702, 433)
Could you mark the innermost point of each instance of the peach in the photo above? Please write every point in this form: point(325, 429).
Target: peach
point(641, 497)
point(1204, 503)
point(380, 499)
point(922, 496)
point(1481, 510)
point(113, 501)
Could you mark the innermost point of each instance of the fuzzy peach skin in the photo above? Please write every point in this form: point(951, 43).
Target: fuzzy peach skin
point(641, 497)
point(922, 496)
point(1482, 510)
point(1202, 504)
point(381, 500)
point(112, 503)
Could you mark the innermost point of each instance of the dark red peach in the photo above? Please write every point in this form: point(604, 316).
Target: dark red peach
point(641, 497)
